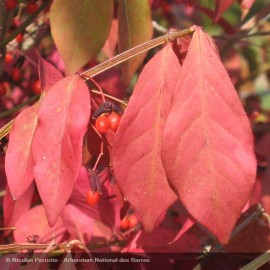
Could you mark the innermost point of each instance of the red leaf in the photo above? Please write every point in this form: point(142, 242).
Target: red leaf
point(136, 151)
point(186, 226)
point(14, 209)
point(77, 223)
point(111, 82)
point(246, 6)
point(207, 148)
point(48, 74)
point(253, 238)
point(221, 6)
point(158, 241)
point(19, 152)
point(111, 42)
point(57, 144)
point(35, 222)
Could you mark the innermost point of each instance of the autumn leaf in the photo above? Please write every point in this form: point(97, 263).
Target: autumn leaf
point(207, 147)
point(19, 152)
point(34, 222)
point(13, 210)
point(221, 7)
point(136, 152)
point(80, 29)
point(77, 223)
point(133, 30)
point(57, 145)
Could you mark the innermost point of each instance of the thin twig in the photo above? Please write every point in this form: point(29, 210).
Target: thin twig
point(122, 57)
point(110, 97)
point(170, 36)
point(241, 36)
point(258, 262)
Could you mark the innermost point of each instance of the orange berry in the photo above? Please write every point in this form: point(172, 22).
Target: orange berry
point(92, 197)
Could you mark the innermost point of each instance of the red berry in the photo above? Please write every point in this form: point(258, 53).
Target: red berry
point(31, 7)
point(114, 120)
point(36, 87)
point(124, 225)
point(92, 197)
point(11, 4)
point(16, 74)
point(132, 221)
point(102, 124)
point(19, 38)
point(8, 58)
point(3, 89)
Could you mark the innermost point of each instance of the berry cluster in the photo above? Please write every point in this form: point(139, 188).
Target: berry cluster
point(107, 121)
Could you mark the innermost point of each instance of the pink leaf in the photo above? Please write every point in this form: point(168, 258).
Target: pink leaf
point(136, 151)
point(221, 7)
point(207, 148)
point(246, 6)
point(19, 152)
point(187, 225)
point(34, 222)
point(77, 223)
point(48, 74)
point(57, 144)
point(13, 210)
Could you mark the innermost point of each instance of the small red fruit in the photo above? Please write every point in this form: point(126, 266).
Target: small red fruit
point(124, 224)
point(16, 74)
point(92, 197)
point(8, 58)
point(19, 38)
point(31, 7)
point(102, 124)
point(36, 87)
point(114, 120)
point(3, 89)
point(11, 4)
point(129, 222)
point(132, 221)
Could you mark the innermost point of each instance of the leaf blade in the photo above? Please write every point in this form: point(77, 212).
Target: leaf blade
point(19, 153)
point(73, 32)
point(219, 158)
point(63, 119)
point(133, 30)
point(136, 156)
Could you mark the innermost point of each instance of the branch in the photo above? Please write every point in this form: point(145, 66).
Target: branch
point(241, 36)
point(120, 58)
point(258, 262)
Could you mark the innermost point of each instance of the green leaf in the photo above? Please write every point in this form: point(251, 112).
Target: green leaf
point(135, 27)
point(80, 29)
